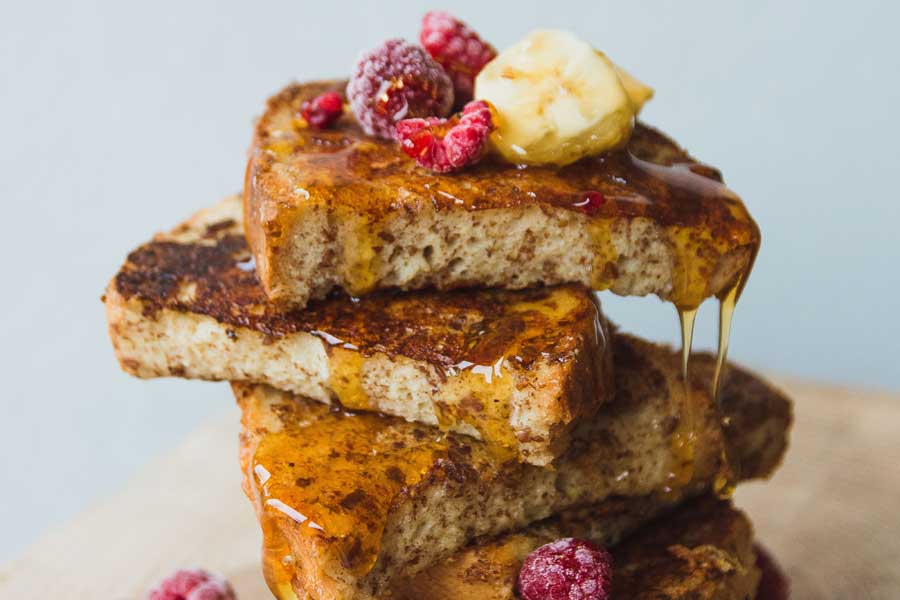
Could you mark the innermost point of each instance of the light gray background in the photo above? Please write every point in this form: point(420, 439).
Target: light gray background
point(120, 118)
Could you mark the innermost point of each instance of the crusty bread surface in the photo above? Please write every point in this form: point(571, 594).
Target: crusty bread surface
point(700, 551)
point(336, 208)
point(382, 499)
point(703, 551)
point(517, 369)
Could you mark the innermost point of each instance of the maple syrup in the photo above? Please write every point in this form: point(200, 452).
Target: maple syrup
point(345, 375)
point(364, 181)
point(360, 248)
point(483, 348)
point(685, 435)
point(336, 475)
point(306, 479)
point(478, 346)
point(277, 558)
point(481, 396)
point(686, 318)
point(725, 484)
point(651, 182)
point(726, 311)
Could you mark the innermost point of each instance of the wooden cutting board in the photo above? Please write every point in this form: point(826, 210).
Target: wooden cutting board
point(831, 514)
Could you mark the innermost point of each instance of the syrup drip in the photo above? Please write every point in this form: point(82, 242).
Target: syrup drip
point(726, 312)
point(686, 318)
point(685, 435)
point(276, 552)
point(725, 485)
point(362, 263)
point(345, 376)
point(477, 392)
point(276, 561)
point(307, 477)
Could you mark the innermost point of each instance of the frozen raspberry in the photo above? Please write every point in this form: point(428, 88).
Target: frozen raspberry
point(445, 145)
point(395, 81)
point(567, 569)
point(459, 50)
point(774, 584)
point(323, 110)
point(192, 584)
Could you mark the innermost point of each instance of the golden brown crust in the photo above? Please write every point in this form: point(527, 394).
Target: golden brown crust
point(441, 328)
point(487, 569)
point(702, 550)
point(424, 495)
point(299, 175)
point(752, 429)
point(345, 156)
point(517, 368)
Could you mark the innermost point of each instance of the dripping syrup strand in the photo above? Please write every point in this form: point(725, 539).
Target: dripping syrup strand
point(275, 548)
point(725, 484)
point(686, 317)
point(685, 435)
point(726, 312)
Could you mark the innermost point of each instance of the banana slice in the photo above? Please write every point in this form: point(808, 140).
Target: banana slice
point(557, 100)
point(639, 93)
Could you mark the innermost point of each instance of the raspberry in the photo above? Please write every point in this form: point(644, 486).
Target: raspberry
point(395, 81)
point(323, 110)
point(590, 202)
point(774, 584)
point(445, 145)
point(457, 48)
point(192, 584)
point(567, 569)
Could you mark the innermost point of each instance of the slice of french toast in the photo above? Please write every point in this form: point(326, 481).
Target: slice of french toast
point(515, 368)
point(352, 504)
point(335, 208)
point(700, 551)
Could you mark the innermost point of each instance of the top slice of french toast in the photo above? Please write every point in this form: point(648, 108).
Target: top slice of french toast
point(336, 208)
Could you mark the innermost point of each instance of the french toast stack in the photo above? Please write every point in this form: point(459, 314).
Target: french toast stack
point(429, 388)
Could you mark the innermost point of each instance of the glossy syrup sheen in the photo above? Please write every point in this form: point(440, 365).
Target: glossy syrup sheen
point(445, 329)
point(685, 436)
point(363, 180)
point(337, 475)
point(479, 378)
point(477, 341)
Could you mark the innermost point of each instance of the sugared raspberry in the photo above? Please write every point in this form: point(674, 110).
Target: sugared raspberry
point(567, 569)
point(445, 145)
point(395, 81)
point(192, 584)
point(774, 584)
point(323, 110)
point(457, 48)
